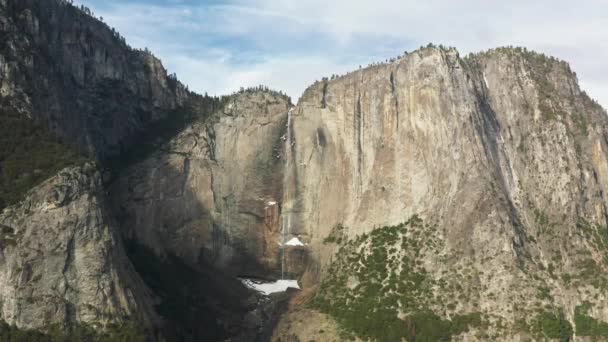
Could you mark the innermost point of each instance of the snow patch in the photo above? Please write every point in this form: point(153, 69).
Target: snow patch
point(294, 242)
point(271, 287)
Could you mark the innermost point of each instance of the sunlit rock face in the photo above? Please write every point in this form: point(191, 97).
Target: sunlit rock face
point(62, 260)
point(501, 151)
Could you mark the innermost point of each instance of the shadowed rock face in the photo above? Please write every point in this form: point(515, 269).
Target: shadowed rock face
point(213, 192)
point(75, 75)
point(63, 262)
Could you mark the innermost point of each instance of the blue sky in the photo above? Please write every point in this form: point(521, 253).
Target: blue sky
point(218, 46)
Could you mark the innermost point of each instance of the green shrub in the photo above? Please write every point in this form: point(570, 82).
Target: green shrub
point(552, 325)
point(587, 325)
point(544, 293)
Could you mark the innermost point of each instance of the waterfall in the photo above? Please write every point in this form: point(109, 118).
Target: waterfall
point(287, 206)
point(288, 190)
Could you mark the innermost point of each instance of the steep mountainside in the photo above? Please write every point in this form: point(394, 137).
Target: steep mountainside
point(29, 154)
point(68, 82)
point(71, 72)
point(212, 192)
point(500, 153)
point(434, 197)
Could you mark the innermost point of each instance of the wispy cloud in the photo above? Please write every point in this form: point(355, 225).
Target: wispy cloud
point(219, 46)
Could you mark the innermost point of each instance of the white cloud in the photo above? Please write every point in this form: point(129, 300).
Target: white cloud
point(290, 43)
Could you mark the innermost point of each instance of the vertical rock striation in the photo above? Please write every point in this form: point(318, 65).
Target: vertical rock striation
point(501, 151)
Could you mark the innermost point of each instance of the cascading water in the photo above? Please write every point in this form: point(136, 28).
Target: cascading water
point(287, 192)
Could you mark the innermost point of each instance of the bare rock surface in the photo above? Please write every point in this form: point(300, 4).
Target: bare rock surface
point(62, 261)
point(73, 73)
point(501, 151)
point(212, 192)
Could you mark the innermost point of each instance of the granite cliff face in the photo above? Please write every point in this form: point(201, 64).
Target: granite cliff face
point(435, 190)
point(431, 132)
point(500, 153)
point(212, 192)
point(62, 260)
point(73, 73)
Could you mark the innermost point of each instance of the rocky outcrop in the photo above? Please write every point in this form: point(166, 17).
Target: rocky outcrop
point(62, 260)
point(213, 192)
point(78, 77)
